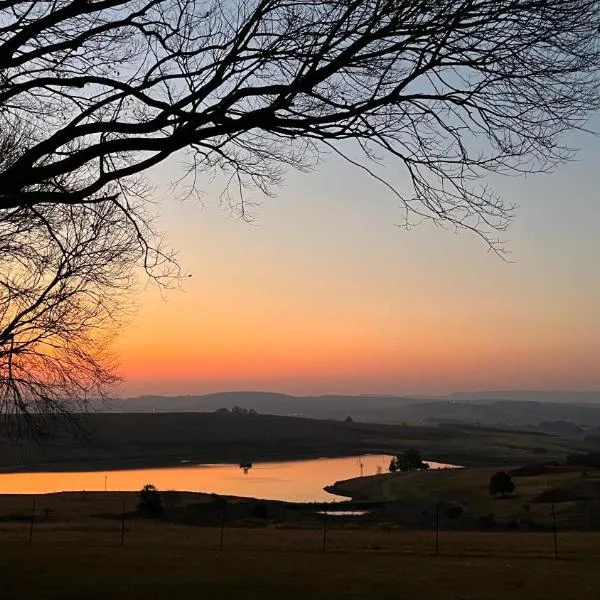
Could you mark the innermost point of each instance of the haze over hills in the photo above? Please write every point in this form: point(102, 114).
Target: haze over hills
point(579, 397)
point(512, 408)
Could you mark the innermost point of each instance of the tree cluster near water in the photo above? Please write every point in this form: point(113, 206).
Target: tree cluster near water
point(409, 460)
point(94, 94)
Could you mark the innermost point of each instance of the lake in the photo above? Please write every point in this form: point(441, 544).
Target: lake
point(293, 481)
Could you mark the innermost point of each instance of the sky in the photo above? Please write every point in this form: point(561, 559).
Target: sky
point(324, 292)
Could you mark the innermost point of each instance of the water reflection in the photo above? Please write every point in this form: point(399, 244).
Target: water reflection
point(294, 481)
point(245, 466)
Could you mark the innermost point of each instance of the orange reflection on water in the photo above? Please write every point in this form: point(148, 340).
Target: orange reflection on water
point(295, 481)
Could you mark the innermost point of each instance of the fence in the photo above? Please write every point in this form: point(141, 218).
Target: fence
point(113, 519)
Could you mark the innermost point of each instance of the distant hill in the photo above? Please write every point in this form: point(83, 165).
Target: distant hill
point(506, 409)
point(365, 408)
point(146, 440)
point(580, 397)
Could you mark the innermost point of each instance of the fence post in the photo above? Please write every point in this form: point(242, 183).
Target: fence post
point(223, 523)
point(123, 523)
point(32, 521)
point(324, 529)
point(554, 533)
point(437, 529)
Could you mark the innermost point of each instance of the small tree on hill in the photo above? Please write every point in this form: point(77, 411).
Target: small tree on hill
point(409, 460)
point(150, 503)
point(501, 483)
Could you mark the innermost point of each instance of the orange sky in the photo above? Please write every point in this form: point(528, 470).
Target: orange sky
point(324, 294)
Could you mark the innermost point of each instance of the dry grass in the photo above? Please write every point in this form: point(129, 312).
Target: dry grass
point(76, 555)
point(183, 570)
point(95, 520)
point(469, 488)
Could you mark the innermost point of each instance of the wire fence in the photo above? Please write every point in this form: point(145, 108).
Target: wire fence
point(230, 525)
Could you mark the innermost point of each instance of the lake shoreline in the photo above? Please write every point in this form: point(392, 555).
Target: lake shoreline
point(296, 481)
point(141, 463)
point(345, 504)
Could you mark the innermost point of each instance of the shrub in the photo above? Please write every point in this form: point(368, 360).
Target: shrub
point(487, 521)
point(527, 522)
point(453, 511)
point(150, 502)
point(501, 483)
point(259, 511)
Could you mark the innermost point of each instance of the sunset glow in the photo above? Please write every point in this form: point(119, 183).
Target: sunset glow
point(322, 293)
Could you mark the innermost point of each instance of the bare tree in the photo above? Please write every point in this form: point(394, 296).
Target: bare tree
point(448, 89)
point(66, 276)
point(93, 93)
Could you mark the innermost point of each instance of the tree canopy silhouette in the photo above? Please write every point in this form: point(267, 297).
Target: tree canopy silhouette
point(409, 460)
point(65, 281)
point(95, 93)
point(501, 483)
point(447, 89)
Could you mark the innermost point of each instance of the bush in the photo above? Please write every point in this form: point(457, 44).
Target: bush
point(259, 511)
point(453, 511)
point(501, 483)
point(487, 521)
point(150, 503)
point(527, 522)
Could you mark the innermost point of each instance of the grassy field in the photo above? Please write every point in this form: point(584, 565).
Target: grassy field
point(97, 519)
point(576, 500)
point(181, 569)
point(76, 552)
point(163, 439)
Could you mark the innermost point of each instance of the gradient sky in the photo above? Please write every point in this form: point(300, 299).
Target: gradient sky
point(324, 293)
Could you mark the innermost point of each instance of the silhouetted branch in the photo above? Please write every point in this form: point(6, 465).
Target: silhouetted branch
point(66, 276)
point(447, 89)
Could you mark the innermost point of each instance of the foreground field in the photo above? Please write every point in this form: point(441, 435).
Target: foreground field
point(164, 570)
point(80, 547)
point(199, 523)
